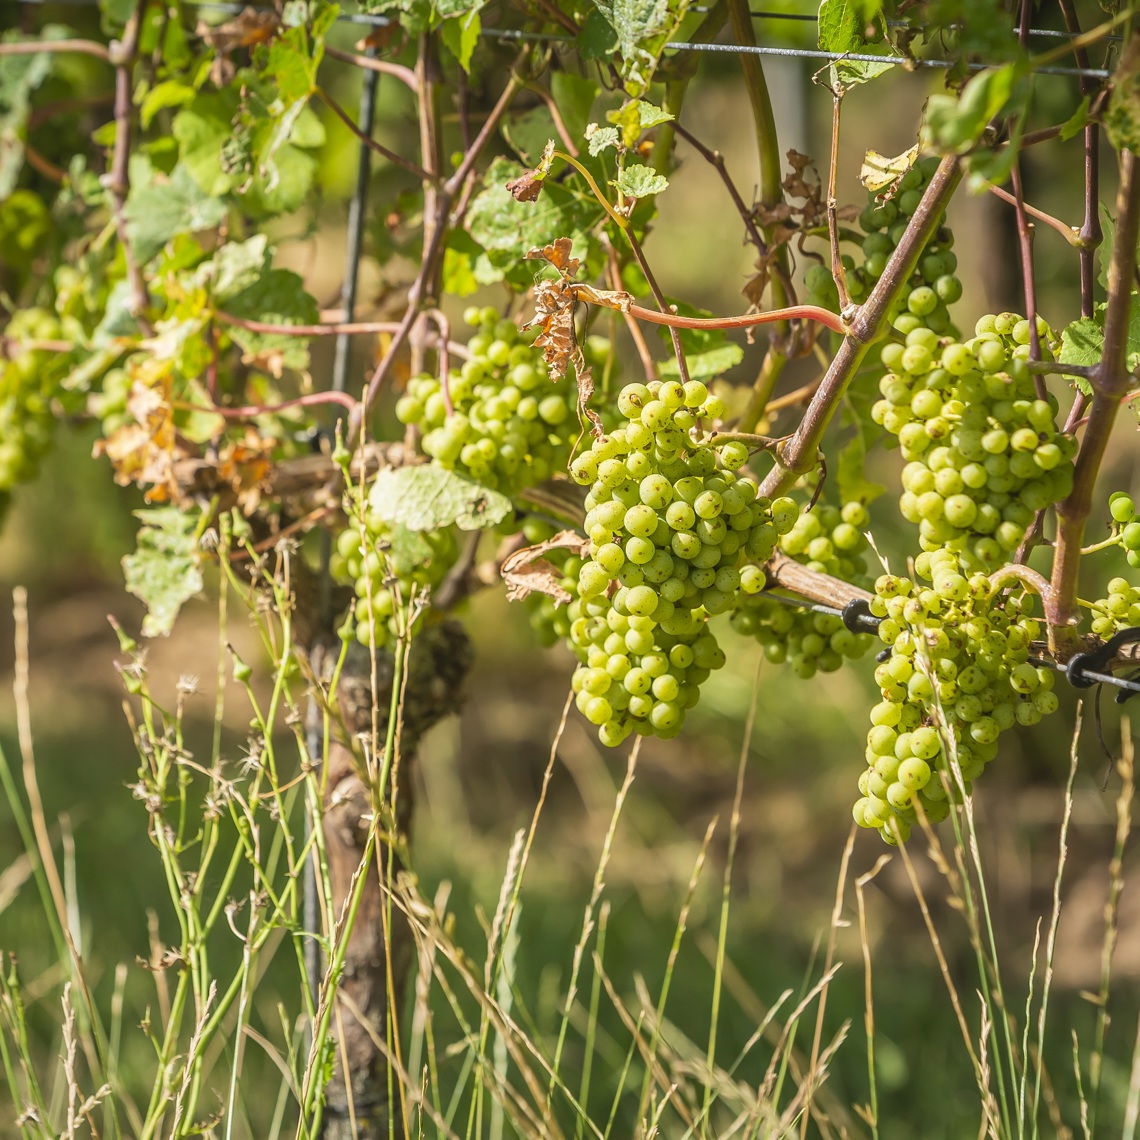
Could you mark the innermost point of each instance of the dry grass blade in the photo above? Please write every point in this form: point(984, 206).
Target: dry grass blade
point(943, 965)
point(832, 935)
point(868, 989)
point(189, 1067)
point(1054, 922)
point(1112, 910)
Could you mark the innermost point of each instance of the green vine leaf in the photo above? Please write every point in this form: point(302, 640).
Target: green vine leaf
point(841, 25)
point(704, 365)
point(599, 139)
point(429, 497)
point(640, 181)
point(165, 207)
point(1122, 115)
point(277, 297)
point(165, 569)
point(957, 124)
point(1082, 342)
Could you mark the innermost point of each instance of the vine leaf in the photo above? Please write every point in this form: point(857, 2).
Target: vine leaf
point(841, 25)
point(1122, 115)
point(1082, 342)
point(956, 124)
point(429, 497)
point(640, 181)
point(277, 297)
point(165, 569)
point(527, 572)
point(165, 207)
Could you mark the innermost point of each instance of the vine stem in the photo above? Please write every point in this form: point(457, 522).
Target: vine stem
point(397, 70)
point(117, 179)
point(41, 47)
point(1110, 384)
point(798, 455)
point(390, 155)
point(1071, 235)
point(433, 247)
point(771, 195)
point(744, 321)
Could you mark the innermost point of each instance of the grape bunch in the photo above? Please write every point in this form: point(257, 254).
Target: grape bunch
point(983, 452)
point(1122, 508)
point(828, 540)
point(933, 285)
point(675, 537)
point(1120, 609)
point(958, 657)
point(388, 568)
point(29, 378)
point(509, 427)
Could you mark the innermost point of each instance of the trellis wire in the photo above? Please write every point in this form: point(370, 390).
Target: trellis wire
point(513, 34)
point(1126, 684)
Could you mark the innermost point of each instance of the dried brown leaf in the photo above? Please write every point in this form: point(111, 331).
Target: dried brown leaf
point(145, 451)
point(246, 466)
point(558, 254)
point(251, 26)
point(527, 572)
point(554, 310)
point(528, 186)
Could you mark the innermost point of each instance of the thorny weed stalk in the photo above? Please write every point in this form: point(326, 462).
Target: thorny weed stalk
point(465, 1056)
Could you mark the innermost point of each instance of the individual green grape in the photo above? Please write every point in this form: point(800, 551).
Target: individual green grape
point(676, 536)
point(956, 677)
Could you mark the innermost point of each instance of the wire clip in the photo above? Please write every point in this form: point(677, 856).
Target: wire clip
point(1087, 669)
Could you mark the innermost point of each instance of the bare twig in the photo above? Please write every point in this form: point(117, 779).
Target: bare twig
point(385, 67)
point(57, 47)
point(117, 179)
point(1109, 385)
point(391, 156)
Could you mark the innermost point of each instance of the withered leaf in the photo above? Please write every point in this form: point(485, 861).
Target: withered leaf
point(558, 254)
point(144, 452)
point(881, 174)
point(527, 572)
point(554, 311)
point(249, 27)
point(528, 186)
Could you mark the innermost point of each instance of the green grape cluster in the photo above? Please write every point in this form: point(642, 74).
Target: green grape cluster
point(829, 540)
point(933, 285)
point(1119, 609)
point(28, 381)
point(983, 452)
point(388, 567)
point(959, 655)
point(675, 537)
point(509, 427)
point(1122, 508)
